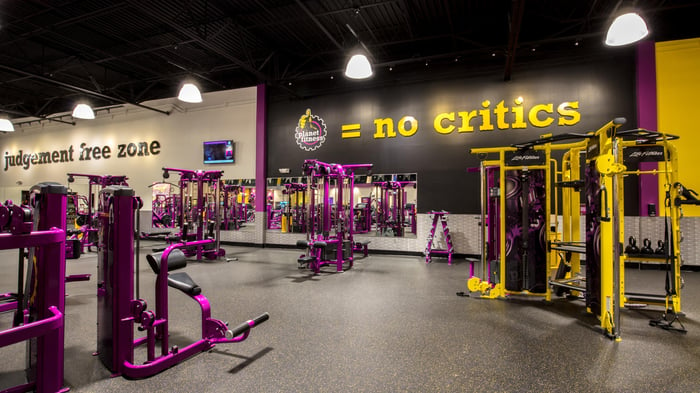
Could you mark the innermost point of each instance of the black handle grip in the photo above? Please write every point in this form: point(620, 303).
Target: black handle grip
point(245, 326)
point(260, 319)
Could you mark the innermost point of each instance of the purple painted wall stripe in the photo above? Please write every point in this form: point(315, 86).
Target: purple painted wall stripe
point(647, 118)
point(260, 148)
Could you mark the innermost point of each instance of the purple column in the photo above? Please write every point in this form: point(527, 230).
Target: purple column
point(646, 118)
point(261, 148)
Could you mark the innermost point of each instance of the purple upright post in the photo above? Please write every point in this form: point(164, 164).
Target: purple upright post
point(260, 147)
point(115, 278)
point(45, 353)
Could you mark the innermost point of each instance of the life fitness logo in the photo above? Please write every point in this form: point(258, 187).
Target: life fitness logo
point(310, 132)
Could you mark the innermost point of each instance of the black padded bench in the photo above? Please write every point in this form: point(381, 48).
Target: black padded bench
point(176, 260)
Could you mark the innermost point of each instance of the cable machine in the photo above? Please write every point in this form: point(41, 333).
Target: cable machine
point(329, 228)
point(198, 192)
point(391, 209)
point(231, 212)
point(524, 254)
point(86, 224)
point(294, 216)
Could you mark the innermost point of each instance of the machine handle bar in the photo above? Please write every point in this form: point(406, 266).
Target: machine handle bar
point(245, 326)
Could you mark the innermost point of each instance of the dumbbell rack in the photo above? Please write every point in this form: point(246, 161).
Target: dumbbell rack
point(439, 217)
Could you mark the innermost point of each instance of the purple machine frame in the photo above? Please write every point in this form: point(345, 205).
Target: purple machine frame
point(118, 311)
point(231, 217)
point(42, 320)
point(88, 230)
point(295, 212)
point(323, 247)
point(200, 178)
point(392, 215)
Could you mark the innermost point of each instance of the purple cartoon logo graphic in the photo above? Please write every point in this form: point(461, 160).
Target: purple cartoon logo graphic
point(310, 132)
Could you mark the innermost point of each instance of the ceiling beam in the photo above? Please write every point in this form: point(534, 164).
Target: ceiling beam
point(319, 24)
point(80, 89)
point(40, 117)
point(516, 19)
point(158, 16)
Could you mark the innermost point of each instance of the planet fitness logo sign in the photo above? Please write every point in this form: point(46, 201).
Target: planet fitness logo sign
point(310, 132)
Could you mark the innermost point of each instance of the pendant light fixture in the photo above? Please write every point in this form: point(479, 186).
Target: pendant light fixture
point(626, 29)
point(190, 93)
point(358, 67)
point(83, 111)
point(6, 125)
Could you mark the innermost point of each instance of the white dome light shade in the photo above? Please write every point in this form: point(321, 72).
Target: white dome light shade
point(358, 67)
point(83, 111)
point(6, 125)
point(626, 29)
point(190, 93)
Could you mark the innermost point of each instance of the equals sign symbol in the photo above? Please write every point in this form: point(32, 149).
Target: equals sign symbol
point(350, 130)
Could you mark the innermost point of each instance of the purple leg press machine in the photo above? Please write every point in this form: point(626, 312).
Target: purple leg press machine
point(118, 311)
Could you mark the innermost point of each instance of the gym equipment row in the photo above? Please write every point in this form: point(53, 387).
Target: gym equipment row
point(329, 223)
point(523, 252)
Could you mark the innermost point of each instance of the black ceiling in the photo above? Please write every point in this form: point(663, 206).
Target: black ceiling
point(54, 53)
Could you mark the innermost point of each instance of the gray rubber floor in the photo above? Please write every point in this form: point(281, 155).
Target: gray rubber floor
point(390, 324)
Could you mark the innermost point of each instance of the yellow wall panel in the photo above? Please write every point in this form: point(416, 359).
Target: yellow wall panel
point(678, 87)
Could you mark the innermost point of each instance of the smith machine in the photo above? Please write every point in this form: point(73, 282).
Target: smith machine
point(329, 228)
point(198, 191)
point(118, 311)
point(39, 303)
point(525, 254)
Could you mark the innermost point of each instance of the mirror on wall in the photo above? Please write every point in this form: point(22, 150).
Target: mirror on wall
point(165, 208)
point(381, 204)
point(236, 204)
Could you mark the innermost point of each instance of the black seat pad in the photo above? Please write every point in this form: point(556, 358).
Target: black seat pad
point(184, 282)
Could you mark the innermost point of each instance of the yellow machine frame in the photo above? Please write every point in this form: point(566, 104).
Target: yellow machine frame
point(609, 163)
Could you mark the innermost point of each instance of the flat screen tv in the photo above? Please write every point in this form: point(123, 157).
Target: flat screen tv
point(218, 152)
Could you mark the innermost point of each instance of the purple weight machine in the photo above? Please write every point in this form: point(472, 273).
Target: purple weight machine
point(295, 210)
point(231, 215)
point(87, 231)
point(391, 195)
point(164, 207)
point(118, 311)
point(39, 303)
point(198, 190)
point(363, 215)
point(329, 229)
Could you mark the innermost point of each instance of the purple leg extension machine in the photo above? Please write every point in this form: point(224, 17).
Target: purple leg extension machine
point(118, 310)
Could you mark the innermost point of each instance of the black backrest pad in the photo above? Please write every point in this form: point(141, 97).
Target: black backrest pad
point(176, 260)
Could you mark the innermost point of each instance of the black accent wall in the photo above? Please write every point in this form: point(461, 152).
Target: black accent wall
point(604, 89)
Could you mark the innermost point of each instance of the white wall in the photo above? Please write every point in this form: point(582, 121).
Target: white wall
point(223, 115)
